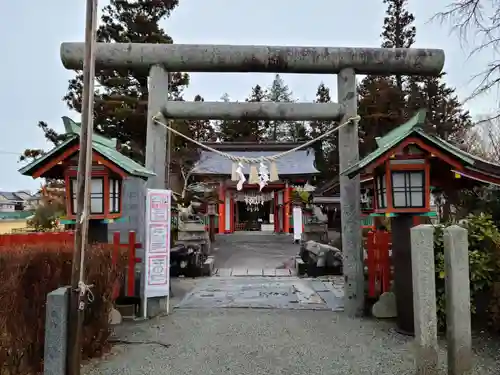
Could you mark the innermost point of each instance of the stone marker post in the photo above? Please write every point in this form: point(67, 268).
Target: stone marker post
point(56, 332)
point(424, 299)
point(458, 319)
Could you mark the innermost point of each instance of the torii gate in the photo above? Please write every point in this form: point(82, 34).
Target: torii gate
point(346, 62)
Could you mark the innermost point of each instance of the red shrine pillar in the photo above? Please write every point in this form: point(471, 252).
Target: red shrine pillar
point(286, 207)
point(222, 211)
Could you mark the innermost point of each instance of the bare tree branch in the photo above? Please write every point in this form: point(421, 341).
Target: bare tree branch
point(477, 21)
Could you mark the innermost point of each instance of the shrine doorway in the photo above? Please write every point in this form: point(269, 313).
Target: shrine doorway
point(254, 211)
point(254, 217)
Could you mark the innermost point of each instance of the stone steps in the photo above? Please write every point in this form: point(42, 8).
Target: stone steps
point(252, 272)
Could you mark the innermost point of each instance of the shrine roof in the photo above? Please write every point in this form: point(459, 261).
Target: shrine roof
point(413, 127)
point(299, 162)
point(103, 146)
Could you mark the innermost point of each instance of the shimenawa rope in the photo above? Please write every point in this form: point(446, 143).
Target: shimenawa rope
point(247, 160)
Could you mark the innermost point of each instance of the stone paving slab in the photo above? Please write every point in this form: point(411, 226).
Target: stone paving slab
point(288, 292)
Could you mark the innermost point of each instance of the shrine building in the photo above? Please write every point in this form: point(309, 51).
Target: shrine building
point(252, 209)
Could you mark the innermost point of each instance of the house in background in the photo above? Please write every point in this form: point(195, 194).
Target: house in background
point(18, 201)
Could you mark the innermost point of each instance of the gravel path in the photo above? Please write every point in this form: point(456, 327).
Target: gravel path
point(252, 341)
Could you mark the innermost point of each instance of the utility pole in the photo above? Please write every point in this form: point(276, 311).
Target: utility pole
point(79, 289)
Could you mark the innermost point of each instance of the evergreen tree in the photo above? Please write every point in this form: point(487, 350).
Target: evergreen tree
point(279, 92)
point(326, 150)
point(380, 110)
point(445, 115)
point(386, 102)
point(257, 127)
point(399, 30)
point(226, 129)
point(122, 94)
point(382, 99)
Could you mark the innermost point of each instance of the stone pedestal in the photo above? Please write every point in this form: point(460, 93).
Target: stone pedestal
point(194, 233)
point(315, 232)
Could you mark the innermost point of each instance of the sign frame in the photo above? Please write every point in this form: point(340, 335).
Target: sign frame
point(157, 225)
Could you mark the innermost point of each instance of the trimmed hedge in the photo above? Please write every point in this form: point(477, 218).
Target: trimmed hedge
point(27, 274)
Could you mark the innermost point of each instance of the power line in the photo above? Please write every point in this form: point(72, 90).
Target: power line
point(4, 152)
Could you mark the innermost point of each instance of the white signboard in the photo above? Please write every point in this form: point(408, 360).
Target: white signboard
point(157, 245)
point(297, 223)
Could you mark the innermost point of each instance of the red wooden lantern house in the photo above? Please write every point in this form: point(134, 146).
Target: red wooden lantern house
point(408, 164)
point(109, 169)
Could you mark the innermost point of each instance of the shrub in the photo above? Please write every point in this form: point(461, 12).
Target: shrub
point(27, 275)
point(484, 245)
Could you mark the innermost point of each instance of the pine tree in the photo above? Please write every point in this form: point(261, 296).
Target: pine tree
point(226, 129)
point(257, 127)
point(122, 94)
point(399, 30)
point(445, 114)
point(380, 109)
point(382, 99)
point(279, 92)
point(326, 149)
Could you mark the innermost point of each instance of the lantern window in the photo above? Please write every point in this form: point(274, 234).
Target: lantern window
point(408, 189)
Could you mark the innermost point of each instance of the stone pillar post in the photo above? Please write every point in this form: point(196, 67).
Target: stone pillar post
point(424, 299)
point(350, 197)
point(156, 138)
point(458, 319)
point(156, 154)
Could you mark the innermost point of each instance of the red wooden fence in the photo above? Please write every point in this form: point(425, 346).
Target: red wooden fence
point(132, 260)
point(378, 263)
point(68, 237)
point(18, 239)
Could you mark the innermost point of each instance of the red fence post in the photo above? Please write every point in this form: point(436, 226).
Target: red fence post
point(116, 248)
point(385, 265)
point(131, 264)
point(114, 261)
point(371, 263)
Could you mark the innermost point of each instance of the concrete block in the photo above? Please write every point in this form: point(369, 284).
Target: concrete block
point(424, 299)
point(56, 332)
point(458, 318)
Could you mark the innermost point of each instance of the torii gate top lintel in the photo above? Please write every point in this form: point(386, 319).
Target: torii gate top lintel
point(259, 59)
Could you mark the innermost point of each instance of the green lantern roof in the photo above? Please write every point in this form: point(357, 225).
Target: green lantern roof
point(414, 127)
point(104, 146)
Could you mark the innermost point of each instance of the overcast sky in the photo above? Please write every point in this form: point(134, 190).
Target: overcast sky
point(33, 79)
